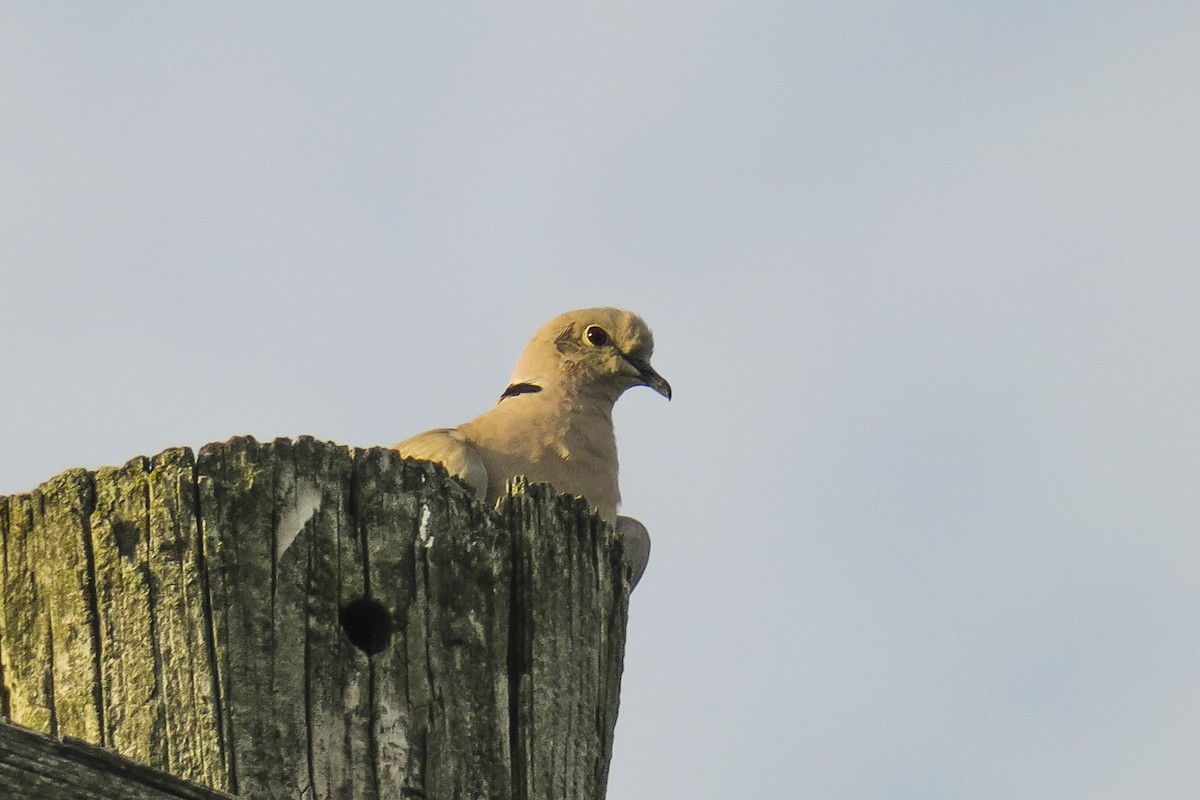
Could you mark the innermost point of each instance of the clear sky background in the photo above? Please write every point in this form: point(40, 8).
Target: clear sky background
point(925, 278)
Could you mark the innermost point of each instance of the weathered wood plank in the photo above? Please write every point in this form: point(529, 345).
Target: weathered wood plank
point(258, 686)
point(5, 700)
point(61, 509)
point(26, 654)
point(298, 620)
point(35, 766)
point(314, 530)
point(462, 570)
point(120, 529)
point(397, 691)
point(570, 594)
point(183, 628)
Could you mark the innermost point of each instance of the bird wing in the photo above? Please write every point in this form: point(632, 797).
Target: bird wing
point(448, 447)
point(637, 546)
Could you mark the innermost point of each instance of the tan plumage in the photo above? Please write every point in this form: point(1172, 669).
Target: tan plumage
point(554, 422)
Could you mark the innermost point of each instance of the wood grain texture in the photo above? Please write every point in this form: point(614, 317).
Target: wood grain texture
point(570, 597)
point(129, 657)
point(37, 766)
point(297, 619)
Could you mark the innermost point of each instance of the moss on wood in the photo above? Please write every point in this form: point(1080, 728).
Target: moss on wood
point(299, 619)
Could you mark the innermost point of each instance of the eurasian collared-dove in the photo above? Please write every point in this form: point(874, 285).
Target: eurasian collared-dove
point(553, 423)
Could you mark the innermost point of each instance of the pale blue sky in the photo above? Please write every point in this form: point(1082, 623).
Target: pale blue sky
point(925, 278)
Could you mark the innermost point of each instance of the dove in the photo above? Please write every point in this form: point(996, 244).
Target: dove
point(553, 424)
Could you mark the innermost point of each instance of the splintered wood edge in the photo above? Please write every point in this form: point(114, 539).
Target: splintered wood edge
point(526, 508)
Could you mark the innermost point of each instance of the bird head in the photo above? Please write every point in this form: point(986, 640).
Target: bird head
point(601, 350)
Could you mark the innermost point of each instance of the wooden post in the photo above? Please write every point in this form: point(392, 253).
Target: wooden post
point(303, 620)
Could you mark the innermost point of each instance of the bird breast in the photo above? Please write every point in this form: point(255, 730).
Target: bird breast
point(572, 446)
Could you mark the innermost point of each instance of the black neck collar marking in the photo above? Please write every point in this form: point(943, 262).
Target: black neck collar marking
point(520, 388)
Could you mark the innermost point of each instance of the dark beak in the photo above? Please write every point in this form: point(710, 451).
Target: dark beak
point(651, 378)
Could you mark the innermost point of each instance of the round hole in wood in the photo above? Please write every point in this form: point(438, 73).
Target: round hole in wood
point(367, 624)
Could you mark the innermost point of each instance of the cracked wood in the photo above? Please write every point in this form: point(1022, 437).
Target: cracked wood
point(188, 613)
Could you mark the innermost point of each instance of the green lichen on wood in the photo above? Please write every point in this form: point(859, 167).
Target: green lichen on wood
point(25, 635)
point(125, 591)
point(191, 613)
point(61, 512)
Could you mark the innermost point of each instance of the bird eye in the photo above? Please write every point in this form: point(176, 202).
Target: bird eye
point(596, 335)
